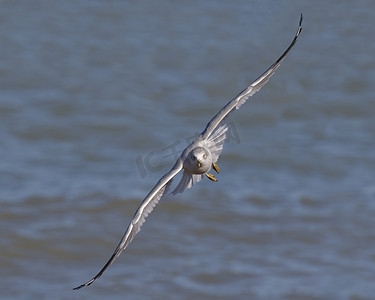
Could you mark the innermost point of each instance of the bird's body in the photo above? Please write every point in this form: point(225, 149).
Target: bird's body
point(196, 160)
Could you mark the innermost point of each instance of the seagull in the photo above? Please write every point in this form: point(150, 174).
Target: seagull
point(196, 160)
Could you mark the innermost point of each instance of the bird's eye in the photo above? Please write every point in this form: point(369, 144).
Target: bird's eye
point(204, 156)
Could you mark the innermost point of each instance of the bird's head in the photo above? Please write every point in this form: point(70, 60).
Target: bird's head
point(199, 161)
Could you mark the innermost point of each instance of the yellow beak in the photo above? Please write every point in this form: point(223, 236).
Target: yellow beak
point(199, 163)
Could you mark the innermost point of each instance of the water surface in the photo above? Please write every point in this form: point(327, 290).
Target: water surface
point(96, 99)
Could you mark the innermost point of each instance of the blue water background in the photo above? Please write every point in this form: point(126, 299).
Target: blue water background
point(96, 99)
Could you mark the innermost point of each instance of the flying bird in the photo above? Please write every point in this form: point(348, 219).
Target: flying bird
point(196, 160)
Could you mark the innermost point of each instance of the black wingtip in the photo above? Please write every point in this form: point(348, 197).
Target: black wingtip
point(300, 25)
point(78, 287)
point(85, 284)
point(109, 262)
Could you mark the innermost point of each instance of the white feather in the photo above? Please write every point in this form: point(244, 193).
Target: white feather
point(186, 182)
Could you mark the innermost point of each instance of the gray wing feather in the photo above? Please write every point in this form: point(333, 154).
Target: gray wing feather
point(140, 215)
point(249, 91)
point(215, 142)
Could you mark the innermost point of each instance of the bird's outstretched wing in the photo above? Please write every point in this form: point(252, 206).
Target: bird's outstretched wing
point(140, 215)
point(215, 144)
point(249, 91)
